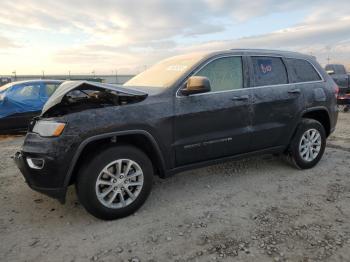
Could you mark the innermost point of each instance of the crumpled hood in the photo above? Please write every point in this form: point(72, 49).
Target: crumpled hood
point(68, 86)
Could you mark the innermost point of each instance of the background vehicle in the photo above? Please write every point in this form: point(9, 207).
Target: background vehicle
point(184, 112)
point(342, 78)
point(21, 101)
point(4, 80)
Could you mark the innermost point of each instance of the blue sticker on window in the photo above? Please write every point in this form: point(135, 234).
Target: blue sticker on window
point(265, 66)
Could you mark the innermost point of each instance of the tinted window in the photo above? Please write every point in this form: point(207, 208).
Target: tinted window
point(302, 71)
point(224, 73)
point(338, 69)
point(269, 71)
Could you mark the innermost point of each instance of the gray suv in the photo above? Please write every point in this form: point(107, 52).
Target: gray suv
point(184, 112)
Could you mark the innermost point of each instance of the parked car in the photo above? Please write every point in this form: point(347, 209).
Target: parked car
point(342, 78)
point(344, 102)
point(21, 101)
point(5, 80)
point(185, 112)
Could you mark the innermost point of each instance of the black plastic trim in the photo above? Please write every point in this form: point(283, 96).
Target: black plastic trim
point(110, 135)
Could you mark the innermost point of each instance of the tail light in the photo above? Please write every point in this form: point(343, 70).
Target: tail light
point(336, 90)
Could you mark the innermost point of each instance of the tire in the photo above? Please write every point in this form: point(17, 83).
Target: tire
point(298, 147)
point(99, 174)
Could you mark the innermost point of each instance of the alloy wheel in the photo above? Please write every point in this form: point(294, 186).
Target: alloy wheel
point(119, 183)
point(310, 145)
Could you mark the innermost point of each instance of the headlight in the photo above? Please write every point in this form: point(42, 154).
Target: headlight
point(48, 128)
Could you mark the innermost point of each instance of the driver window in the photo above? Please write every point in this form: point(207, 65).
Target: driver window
point(224, 73)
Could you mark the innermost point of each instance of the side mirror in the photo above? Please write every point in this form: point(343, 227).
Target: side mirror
point(330, 72)
point(196, 85)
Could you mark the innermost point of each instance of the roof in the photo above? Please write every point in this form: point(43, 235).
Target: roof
point(36, 80)
point(262, 52)
point(11, 84)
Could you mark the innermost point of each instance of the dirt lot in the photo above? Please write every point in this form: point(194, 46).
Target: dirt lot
point(258, 209)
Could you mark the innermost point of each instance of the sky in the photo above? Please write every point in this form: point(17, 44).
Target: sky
point(105, 36)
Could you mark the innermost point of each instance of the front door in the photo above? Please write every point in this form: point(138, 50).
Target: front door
point(215, 124)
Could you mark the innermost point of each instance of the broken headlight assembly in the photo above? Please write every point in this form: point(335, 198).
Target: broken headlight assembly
point(48, 128)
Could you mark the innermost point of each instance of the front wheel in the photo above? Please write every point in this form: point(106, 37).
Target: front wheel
point(115, 182)
point(308, 144)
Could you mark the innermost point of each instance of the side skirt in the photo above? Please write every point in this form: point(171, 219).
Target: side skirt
point(272, 150)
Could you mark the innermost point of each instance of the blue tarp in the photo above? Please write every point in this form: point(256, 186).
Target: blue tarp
point(24, 97)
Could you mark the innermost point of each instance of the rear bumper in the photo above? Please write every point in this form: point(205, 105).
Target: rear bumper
point(343, 100)
point(38, 179)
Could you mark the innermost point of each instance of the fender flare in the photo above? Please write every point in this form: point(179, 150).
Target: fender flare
point(316, 108)
point(111, 135)
point(308, 110)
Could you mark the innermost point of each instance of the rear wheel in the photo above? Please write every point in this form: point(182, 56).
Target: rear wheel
point(308, 144)
point(115, 182)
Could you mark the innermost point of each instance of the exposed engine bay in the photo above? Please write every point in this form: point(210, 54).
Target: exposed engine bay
point(87, 95)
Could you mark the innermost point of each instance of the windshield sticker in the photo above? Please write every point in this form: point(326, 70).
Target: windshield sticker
point(177, 68)
point(265, 66)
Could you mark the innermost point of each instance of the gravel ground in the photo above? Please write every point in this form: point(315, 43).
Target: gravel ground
point(257, 209)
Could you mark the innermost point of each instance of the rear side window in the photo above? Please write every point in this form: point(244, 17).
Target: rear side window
point(302, 71)
point(269, 71)
point(224, 73)
point(338, 69)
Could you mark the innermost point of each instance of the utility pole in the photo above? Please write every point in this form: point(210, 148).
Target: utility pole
point(43, 74)
point(329, 48)
point(15, 75)
point(69, 74)
point(93, 73)
point(116, 76)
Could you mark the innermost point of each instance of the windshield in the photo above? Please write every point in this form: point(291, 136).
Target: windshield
point(166, 72)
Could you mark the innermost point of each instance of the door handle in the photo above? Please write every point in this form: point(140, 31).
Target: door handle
point(240, 98)
point(294, 91)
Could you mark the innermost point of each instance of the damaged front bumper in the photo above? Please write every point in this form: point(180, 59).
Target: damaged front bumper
point(44, 163)
point(37, 179)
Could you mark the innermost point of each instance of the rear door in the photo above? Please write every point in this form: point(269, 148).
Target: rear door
point(304, 75)
point(215, 124)
point(275, 102)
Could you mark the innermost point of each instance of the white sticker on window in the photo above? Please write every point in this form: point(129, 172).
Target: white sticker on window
point(177, 68)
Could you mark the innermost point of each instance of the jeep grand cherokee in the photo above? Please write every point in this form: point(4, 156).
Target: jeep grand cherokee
point(184, 112)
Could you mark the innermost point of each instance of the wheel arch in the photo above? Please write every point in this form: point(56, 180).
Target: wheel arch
point(320, 114)
point(139, 138)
